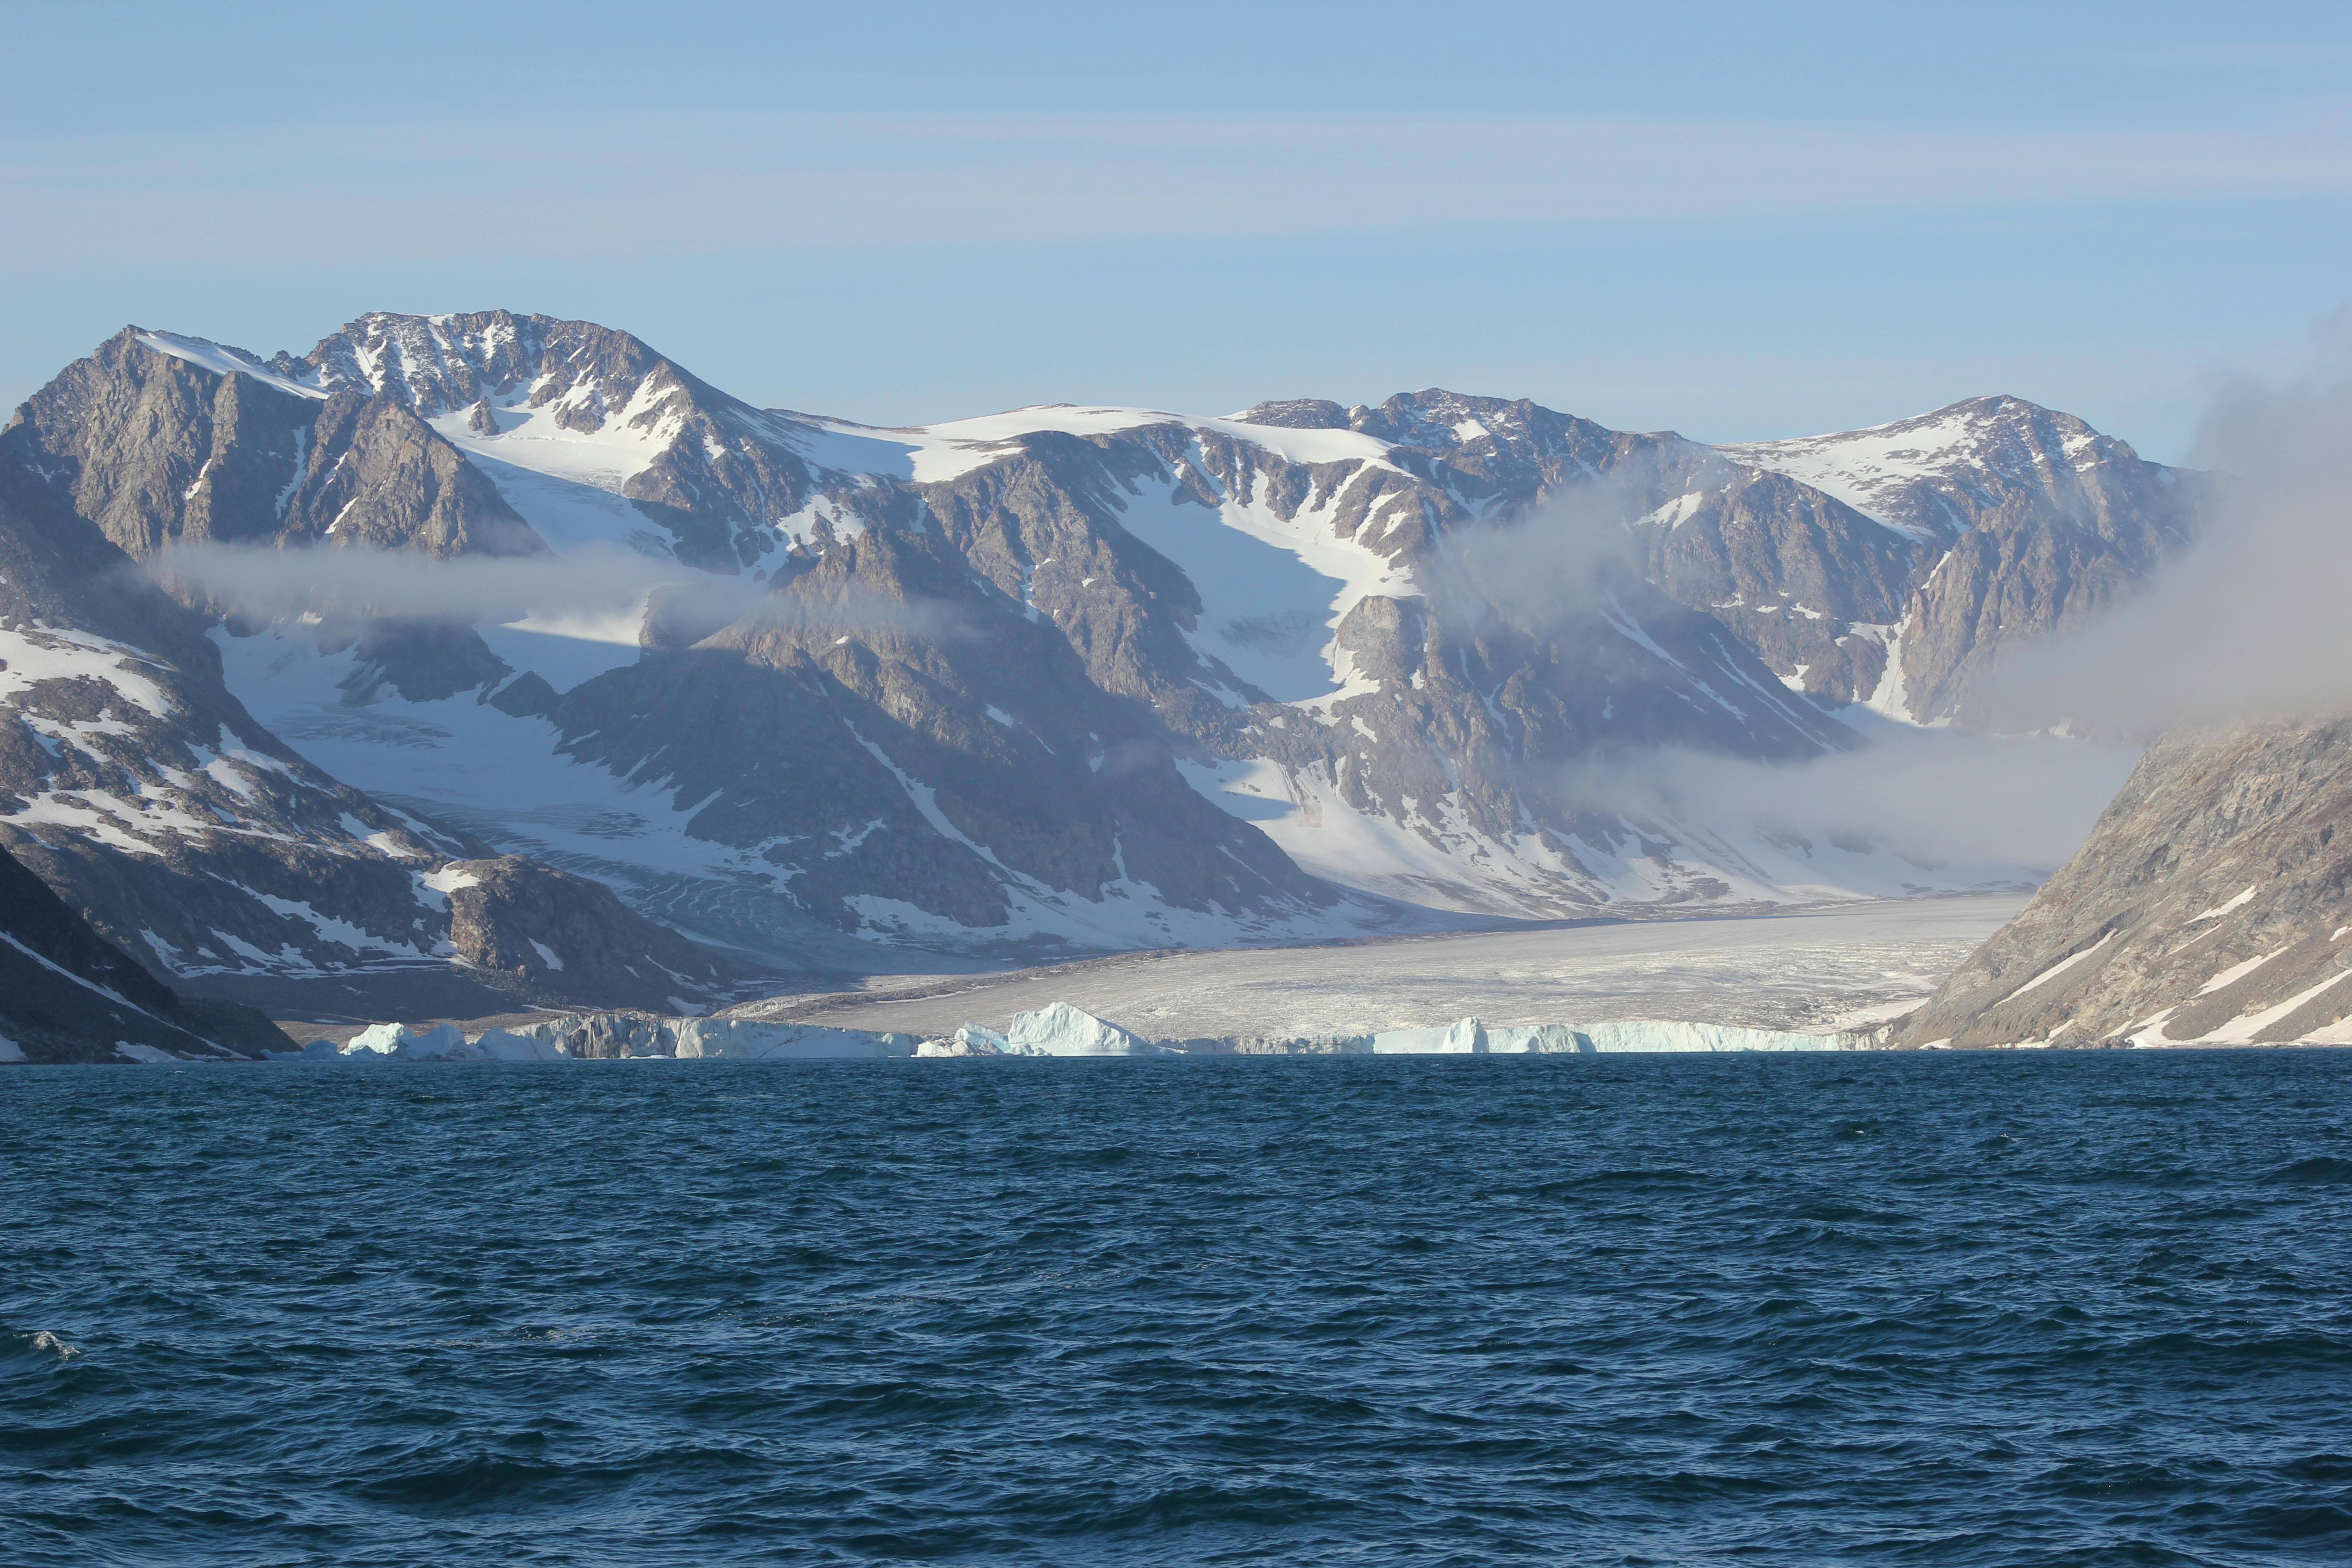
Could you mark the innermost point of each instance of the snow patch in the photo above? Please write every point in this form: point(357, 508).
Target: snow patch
point(222, 359)
point(2218, 910)
point(2055, 969)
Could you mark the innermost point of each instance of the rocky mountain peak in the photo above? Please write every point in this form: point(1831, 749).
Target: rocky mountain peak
point(1067, 676)
point(1934, 475)
point(437, 365)
point(159, 439)
point(1296, 413)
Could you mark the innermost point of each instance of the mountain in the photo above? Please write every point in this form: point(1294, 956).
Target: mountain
point(2027, 521)
point(136, 785)
point(68, 995)
point(2210, 906)
point(1070, 679)
point(158, 438)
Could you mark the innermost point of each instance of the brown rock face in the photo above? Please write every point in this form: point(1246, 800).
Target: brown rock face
point(136, 785)
point(722, 473)
point(2212, 902)
point(155, 449)
point(551, 937)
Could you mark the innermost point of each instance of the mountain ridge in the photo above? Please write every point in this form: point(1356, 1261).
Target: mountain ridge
point(1300, 671)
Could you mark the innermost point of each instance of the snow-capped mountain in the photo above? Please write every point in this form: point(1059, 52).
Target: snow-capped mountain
point(2029, 521)
point(158, 438)
point(1083, 678)
point(133, 781)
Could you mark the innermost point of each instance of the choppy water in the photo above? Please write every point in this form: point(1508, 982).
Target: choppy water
point(2058, 1309)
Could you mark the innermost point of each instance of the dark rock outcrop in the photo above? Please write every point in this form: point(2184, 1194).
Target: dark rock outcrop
point(68, 995)
point(556, 939)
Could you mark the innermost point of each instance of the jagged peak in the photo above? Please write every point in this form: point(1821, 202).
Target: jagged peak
point(442, 364)
point(1298, 414)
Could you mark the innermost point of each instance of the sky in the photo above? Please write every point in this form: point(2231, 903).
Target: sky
point(1739, 222)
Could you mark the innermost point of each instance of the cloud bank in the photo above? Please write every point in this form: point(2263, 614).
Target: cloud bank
point(594, 595)
point(2254, 620)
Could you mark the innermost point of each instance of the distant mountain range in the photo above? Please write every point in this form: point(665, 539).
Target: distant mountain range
point(1060, 680)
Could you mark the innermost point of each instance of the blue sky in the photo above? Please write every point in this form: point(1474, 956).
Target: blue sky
point(1741, 221)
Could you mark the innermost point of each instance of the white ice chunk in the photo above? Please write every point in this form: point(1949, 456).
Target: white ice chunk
point(1062, 1030)
point(506, 1046)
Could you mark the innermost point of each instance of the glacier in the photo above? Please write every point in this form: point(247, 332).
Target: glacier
point(1056, 1030)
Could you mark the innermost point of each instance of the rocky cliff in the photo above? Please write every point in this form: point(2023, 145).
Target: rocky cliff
point(159, 439)
point(2211, 905)
point(2027, 521)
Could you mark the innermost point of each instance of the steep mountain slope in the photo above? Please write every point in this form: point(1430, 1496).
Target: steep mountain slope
point(1201, 567)
point(158, 438)
point(1386, 637)
point(138, 788)
point(1388, 684)
point(1786, 567)
point(564, 416)
point(2211, 905)
point(1088, 838)
point(67, 995)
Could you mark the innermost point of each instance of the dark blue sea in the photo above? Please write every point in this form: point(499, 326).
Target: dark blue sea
point(2039, 1309)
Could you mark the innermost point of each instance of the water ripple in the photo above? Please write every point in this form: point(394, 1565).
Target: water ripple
point(2085, 1308)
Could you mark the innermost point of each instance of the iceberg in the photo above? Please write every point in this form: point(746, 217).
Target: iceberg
point(969, 1040)
point(1535, 1039)
point(1062, 1030)
point(744, 1039)
point(1059, 1030)
point(505, 1045)
point(389, 1042)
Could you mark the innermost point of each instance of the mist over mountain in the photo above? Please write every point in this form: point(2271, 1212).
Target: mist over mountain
point(499, 589)
point(2211, 901)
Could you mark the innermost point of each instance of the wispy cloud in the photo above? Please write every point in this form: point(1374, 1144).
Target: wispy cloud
point(1936, 797)
point(591, 594)
point(722, 182)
